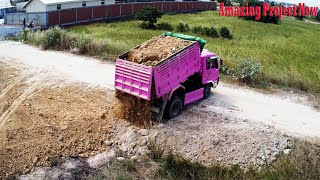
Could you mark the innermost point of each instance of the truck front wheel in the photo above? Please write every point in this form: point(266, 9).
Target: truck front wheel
point(207, 91)
point(174, 107)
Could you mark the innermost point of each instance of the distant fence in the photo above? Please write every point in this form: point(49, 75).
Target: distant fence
point(89, 14)
point(39, 19)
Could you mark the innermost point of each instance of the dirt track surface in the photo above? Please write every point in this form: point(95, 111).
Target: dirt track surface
point(288, 112)
point(61, 104)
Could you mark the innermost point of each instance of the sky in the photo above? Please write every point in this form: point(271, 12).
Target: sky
point(307, 2)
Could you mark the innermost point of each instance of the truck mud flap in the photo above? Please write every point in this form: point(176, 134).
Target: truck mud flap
point(159, 116)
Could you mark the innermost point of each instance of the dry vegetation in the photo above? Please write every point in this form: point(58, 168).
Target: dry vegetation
point(302, 163)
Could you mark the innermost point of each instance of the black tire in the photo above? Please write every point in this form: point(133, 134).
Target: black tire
point(206, 91)
point(174, 108)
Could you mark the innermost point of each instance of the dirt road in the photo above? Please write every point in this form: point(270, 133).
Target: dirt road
point(290, 113)
point(55, 104)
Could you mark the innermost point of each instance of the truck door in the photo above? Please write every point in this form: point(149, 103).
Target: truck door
point(211, 70)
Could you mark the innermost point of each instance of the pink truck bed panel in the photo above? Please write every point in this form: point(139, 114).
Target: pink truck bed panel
point(133, 78)
point(176, 69)
point(193, 96)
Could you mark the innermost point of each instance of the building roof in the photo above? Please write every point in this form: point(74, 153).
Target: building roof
point(21, 6)
point(5, 4)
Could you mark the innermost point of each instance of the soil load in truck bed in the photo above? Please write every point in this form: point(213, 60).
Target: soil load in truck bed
point(157, 49)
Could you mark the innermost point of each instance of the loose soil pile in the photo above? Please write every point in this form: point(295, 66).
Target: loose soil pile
point(50, 123)
point(157, 49)
point(137, 111)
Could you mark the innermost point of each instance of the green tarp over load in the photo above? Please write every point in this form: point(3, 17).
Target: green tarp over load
point(201, 41)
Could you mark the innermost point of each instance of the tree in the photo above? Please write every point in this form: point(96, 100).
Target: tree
point(318, 16)
point(265, 19)
point(298, 17)
point(149, 16)
point(226, 2)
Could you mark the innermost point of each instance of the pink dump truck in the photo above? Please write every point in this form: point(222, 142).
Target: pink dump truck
point(183, 78)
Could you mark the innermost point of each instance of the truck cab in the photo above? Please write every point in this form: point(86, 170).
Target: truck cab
point(210, 70)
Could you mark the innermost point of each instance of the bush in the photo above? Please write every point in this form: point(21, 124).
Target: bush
point(35, 38)
point(165, 26)
point(81, 44)
point(22, 36)
point(84, 45)
point(226, 2)
point(197, 30)
point(145, 25)
point(51, 39)
point(183, 27)
point(318, 16)
point(59, 39)
point(149, 16)
point(210, 32)
point(225, 33)
point(247, 69)
point(96, 48)
point(66, 41)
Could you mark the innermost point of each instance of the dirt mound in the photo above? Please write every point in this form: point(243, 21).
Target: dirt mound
point(53, 123)
point(157, 49)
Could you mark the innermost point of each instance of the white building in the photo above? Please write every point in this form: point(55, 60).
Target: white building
point(5, 3)
point(5, 7)
point(51, 5)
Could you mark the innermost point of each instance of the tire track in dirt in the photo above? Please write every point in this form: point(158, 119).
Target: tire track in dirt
point(4, 92)
point(27, 92)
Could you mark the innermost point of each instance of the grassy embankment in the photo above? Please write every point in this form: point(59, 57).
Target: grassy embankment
point(289, 52)
point(301, 163)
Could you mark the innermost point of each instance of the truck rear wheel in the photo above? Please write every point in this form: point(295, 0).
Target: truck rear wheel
point(174, 107)
point(206, 91)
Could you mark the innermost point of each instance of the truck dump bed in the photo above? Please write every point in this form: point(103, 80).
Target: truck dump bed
point(137, 79)
point(133, 78)
point(176, 69)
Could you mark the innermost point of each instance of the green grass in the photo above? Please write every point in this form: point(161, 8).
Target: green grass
point(289, 52)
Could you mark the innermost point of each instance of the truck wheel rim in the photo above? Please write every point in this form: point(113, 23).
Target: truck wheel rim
point(176, 108)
